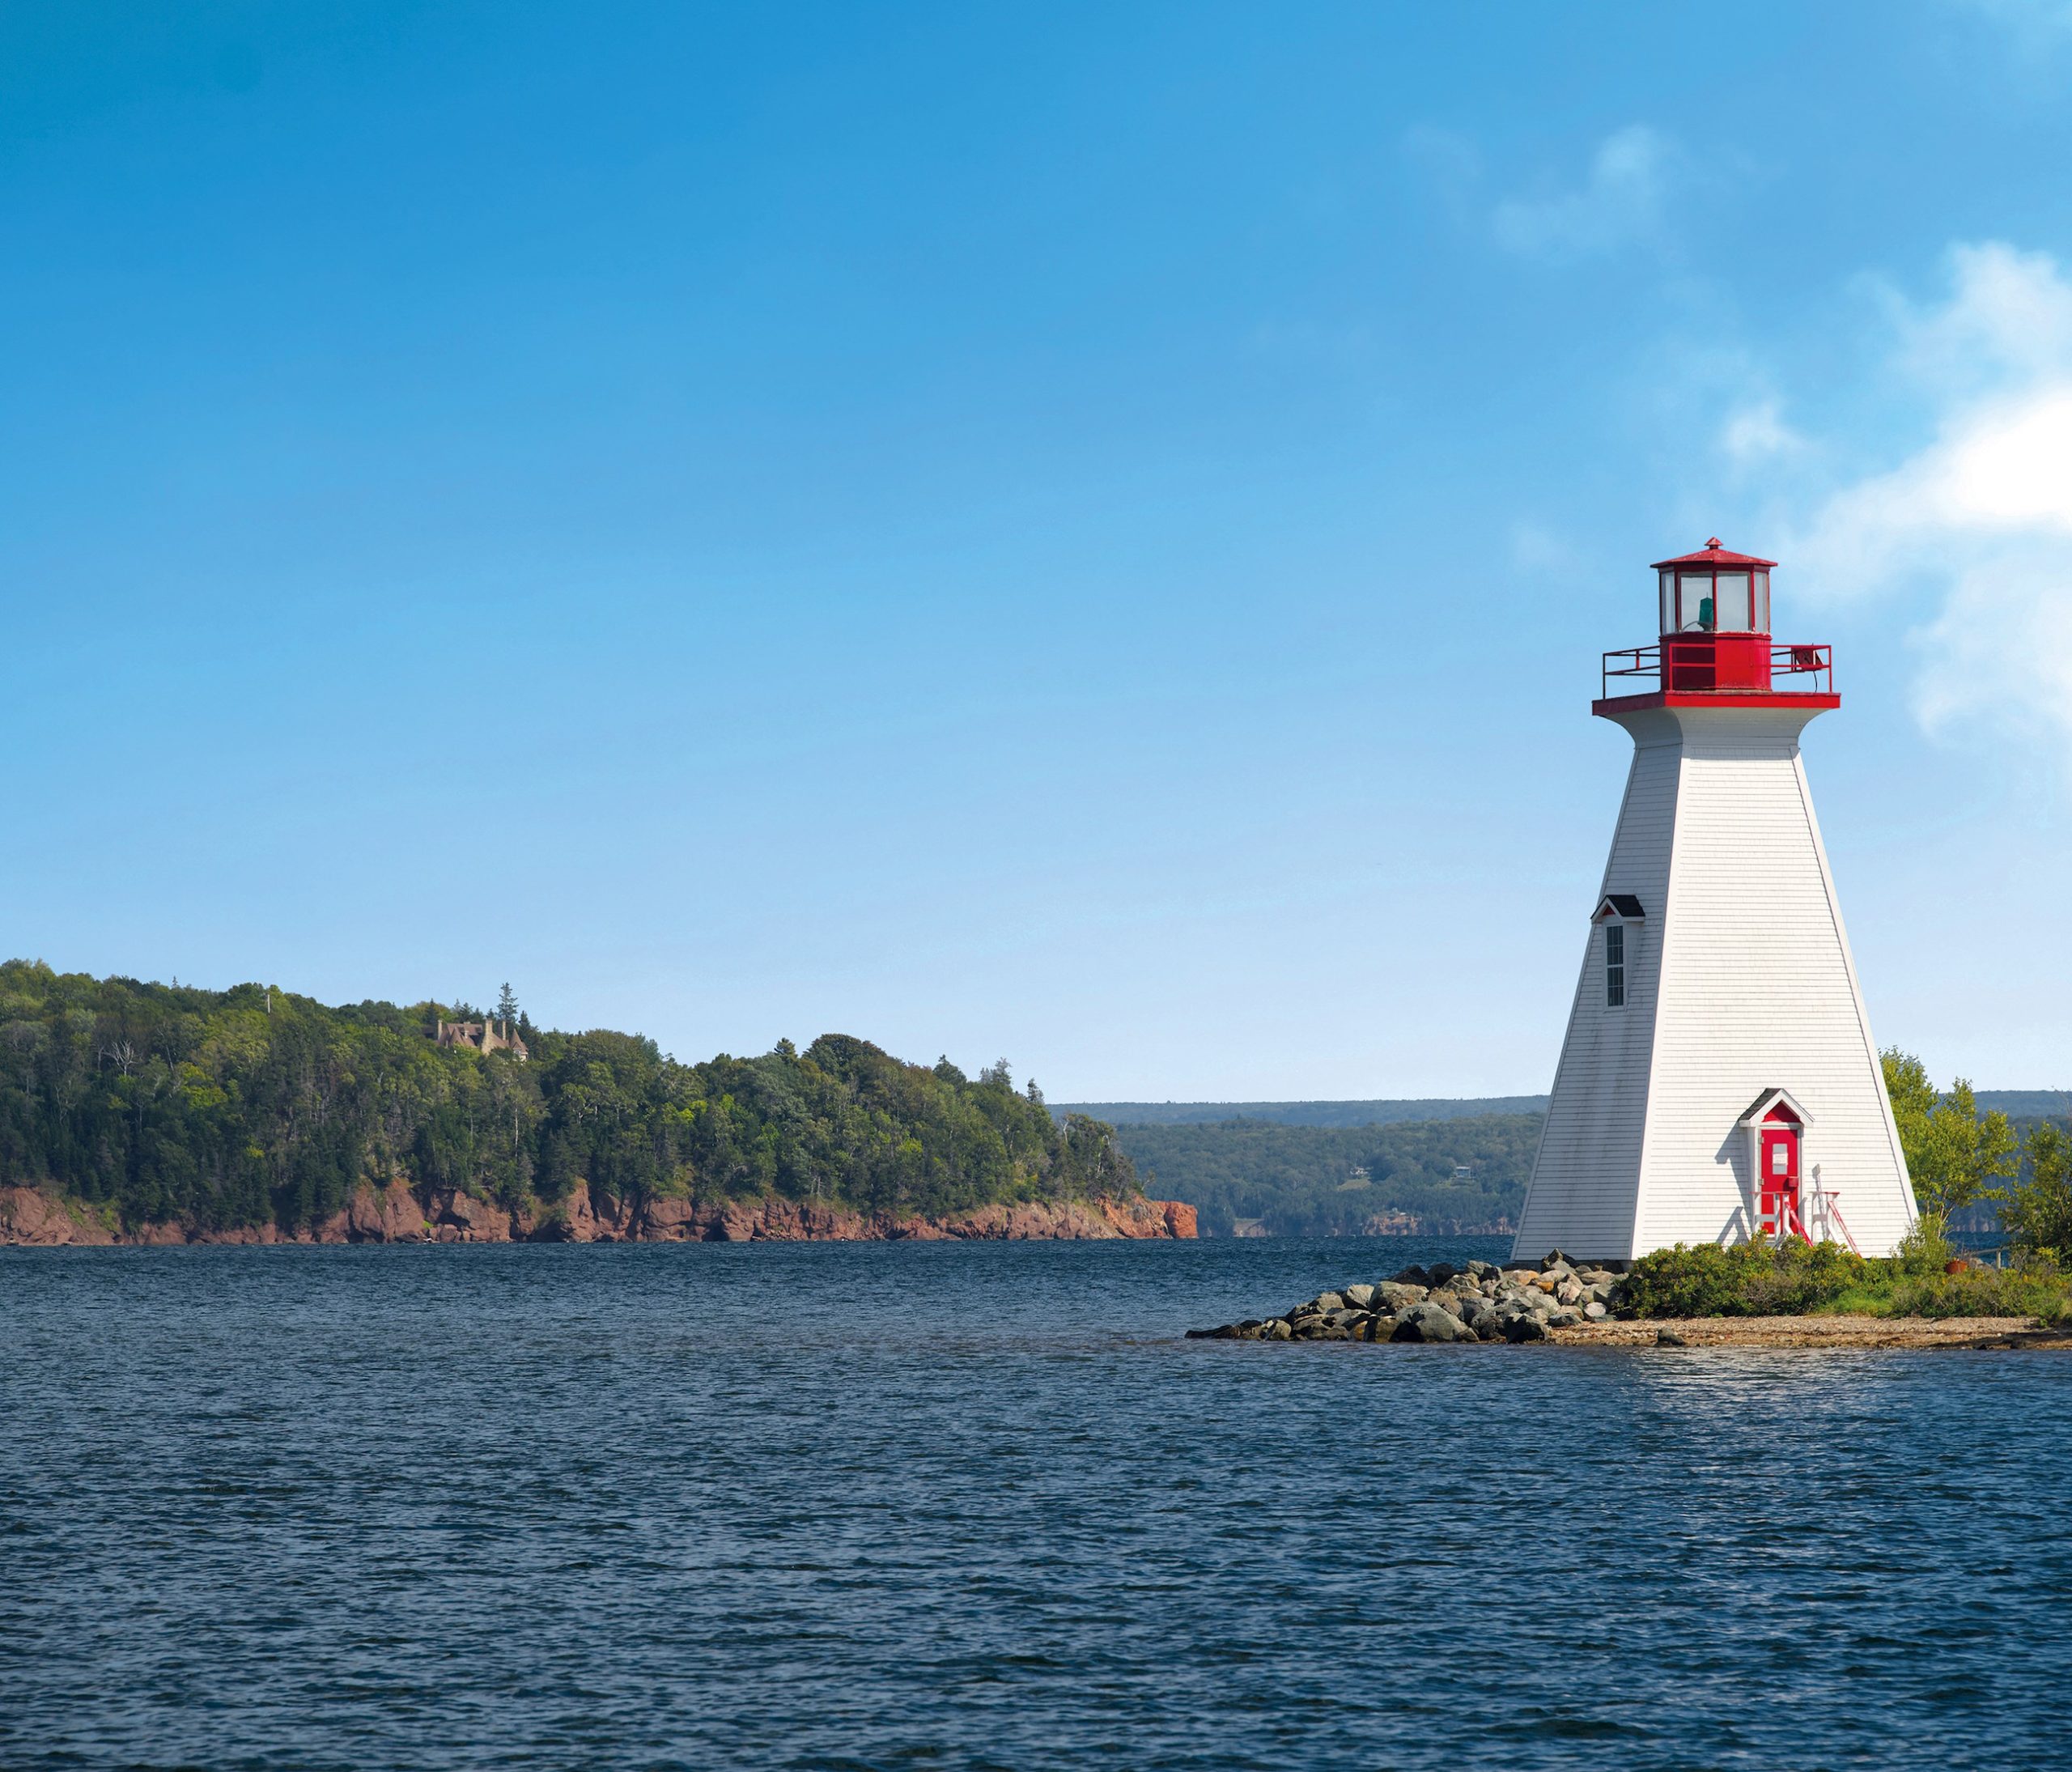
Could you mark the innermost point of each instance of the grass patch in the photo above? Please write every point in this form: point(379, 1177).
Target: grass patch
point(1752, 1279)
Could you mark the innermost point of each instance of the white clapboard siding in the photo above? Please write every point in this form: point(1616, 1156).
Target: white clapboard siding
point(1740, 980)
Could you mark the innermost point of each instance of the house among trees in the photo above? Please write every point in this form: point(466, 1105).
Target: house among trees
point(483, 1037)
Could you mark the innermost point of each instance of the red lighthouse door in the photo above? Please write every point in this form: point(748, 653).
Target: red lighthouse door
point(1778, 1184)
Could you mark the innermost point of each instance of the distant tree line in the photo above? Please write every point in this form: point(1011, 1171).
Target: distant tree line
point(1328, 1181)
point(1974, 1169)
point(238, 1107)
point(1970, 1168)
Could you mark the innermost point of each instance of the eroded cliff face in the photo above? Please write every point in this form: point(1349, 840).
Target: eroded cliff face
point(399, 1214)
point(783, 1221)
point(39, 1220)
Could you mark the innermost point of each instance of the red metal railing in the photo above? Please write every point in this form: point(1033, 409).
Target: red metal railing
point(1690, 656)
point(1800, 660)
point(1832, 1215)
point(1637, 661)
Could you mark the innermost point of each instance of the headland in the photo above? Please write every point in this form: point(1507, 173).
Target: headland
point(133, 1112)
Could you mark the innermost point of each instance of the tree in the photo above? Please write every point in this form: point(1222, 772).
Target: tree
point(2037, 1209)
point(506, 1007)
point(208, 1108)
point(1954, 1153)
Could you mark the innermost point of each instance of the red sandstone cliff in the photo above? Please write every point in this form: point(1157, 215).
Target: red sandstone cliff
point(398, 1214)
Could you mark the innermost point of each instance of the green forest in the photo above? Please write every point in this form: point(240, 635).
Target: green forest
point(223, 1108)
point(1984, 1162)
point(1329, 1181)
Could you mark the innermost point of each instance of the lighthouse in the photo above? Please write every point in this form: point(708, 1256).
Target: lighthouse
point(1719, 1081)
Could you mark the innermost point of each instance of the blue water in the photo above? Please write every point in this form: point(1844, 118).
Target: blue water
point(931, 1505)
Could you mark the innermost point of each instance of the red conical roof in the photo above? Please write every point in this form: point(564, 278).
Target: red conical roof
point(1712, 554)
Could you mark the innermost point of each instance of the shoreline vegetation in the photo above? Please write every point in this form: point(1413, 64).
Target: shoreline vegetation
point(1793, 1293)
point(1459, 1167)
point(1745, 1294)
point(145, 1113)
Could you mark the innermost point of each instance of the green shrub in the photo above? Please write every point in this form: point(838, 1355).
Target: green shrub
point(1706, 1282)
point(1751, 1280)
point(1803, 1277)
point(1984, 1292)
point(1746, 1280)
point(1925, 1249)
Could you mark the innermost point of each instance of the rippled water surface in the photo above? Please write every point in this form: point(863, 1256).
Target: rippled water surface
point(978, 1505)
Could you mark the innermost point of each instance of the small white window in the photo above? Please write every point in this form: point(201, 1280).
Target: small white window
point(1780, 1158)
point(1614, 966)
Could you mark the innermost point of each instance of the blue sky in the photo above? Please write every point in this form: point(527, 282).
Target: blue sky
point(1079, 533)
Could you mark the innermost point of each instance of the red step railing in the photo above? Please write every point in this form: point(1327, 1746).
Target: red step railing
point(1783, 1220)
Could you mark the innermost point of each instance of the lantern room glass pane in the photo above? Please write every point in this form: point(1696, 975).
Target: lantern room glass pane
point(1731, 589)
point(1762, 602)
point(1668, 603)
point(1694, 596)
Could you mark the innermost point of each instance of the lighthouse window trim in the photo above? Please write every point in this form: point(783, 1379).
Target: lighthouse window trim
point(1614, 966)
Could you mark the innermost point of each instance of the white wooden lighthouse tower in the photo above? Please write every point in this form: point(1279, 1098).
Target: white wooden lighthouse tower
point(1719, 1080)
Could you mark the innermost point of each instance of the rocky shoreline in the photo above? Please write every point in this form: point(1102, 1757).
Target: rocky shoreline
point(398, 1213)
point(1559, 1302)
point(1478, 1303)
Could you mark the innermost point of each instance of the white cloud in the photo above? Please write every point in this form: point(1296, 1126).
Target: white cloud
point(1757, 433)
point(2003, 648)
point(2008, 322)
point(1621, 201)
point(1980, 516)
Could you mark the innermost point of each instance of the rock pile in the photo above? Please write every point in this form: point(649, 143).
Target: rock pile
point(1478, 1303)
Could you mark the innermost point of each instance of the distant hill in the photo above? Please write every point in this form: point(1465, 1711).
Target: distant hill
point(2015, 1103)
point(1254, 1177)
point(1339, 1168)
point(221, 1110)
point(1375, 1113)
point(2028, 1104)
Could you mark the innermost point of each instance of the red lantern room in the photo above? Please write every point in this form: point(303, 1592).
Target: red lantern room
point(1716, 649)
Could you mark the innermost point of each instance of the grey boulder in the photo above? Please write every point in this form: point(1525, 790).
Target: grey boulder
point(1429, 1323)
